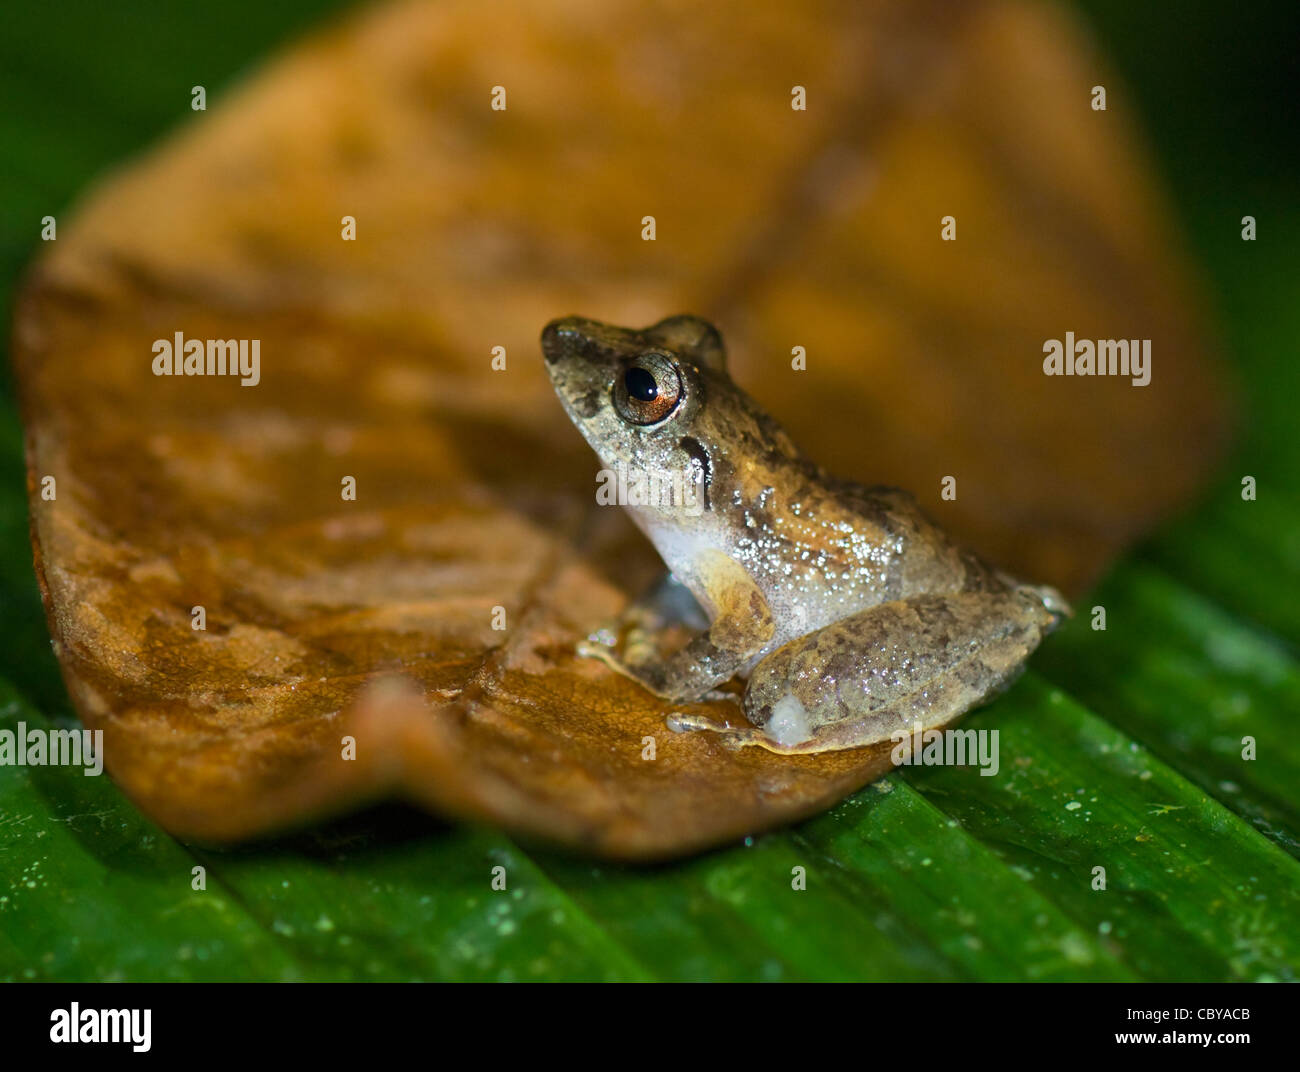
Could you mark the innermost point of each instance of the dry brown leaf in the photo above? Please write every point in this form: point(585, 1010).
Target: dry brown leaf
point(372, 618)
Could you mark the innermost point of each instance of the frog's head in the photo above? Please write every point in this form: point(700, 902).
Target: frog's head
point(636, 394)
point(657, 404)
point(644, 399)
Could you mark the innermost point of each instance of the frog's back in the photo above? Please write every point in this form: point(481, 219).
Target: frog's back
point(853, 547)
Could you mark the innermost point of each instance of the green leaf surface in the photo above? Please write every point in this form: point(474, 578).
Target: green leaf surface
point(1120, 750)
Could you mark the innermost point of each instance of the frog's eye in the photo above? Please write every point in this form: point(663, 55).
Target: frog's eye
point(648, 390)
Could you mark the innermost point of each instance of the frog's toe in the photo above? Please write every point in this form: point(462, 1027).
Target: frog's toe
point(1051, 601)
point(605, 637)
point(732, 737)
point(1055, 602)
point(679, 722)
point(587, 649)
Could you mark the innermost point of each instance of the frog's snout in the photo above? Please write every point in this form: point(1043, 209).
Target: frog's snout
point(558, 336)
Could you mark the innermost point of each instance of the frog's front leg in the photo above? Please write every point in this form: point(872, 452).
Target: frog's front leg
point(632, 639)
point(875, 675)
point(742, 625)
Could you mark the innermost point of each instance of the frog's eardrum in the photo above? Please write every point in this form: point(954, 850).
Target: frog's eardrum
point(368, 626)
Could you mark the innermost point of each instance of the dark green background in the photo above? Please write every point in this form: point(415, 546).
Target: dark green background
point(1122, 748)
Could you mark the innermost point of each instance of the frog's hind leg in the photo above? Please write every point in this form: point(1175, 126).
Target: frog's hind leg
point(876, 675)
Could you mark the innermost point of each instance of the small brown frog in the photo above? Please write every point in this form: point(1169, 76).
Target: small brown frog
point(851, 614)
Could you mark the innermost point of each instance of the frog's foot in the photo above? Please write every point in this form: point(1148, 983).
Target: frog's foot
point(630, 668)
point(627, 640)
point(598, 647)
point(1052, 601)
point(640, 646)
point(735, 737)
point(647, 672)
point(626, 644)
point(710, 659)
point(738, 737)
point(634, 639)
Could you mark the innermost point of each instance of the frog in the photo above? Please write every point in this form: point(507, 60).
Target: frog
point(848, 616)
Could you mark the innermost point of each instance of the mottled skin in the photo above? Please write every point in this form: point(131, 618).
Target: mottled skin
point(852, 615)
